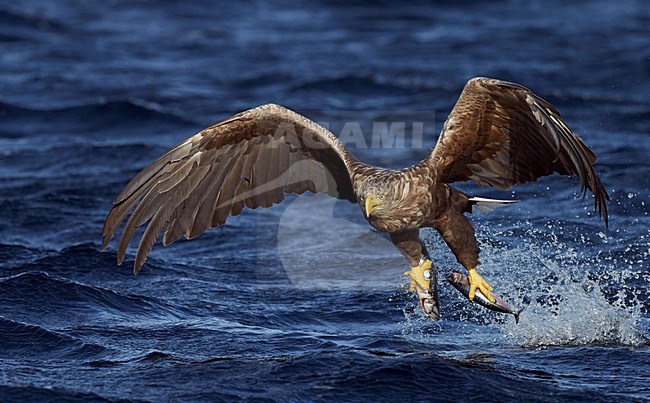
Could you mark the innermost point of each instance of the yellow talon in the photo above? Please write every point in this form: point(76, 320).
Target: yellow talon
point(477, 282)
point(417, 275)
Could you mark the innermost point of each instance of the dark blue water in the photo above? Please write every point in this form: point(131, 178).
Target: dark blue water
point(303, 301)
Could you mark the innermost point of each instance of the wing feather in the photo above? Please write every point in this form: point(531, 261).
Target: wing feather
point(186, 212)
point(163, 214)
point(500, 134)
point(251, 159)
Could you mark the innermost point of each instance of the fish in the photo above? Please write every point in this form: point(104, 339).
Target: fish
point(429, 298)
point(461, 283)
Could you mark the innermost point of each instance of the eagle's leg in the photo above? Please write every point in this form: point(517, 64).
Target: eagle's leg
point(408, 242)
point(423, 274)
point(459, 234)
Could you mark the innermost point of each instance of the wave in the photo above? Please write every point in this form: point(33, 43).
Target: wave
point(354, 84)
point(262, 80)
point(11, 255)
point(152, 356)
point(63, 301)
point(85, 263)
point(22, 338)
point(51, 166)
point(10, 38)
point(85, 258)
point(362, 376)
point(117, 116)
point(28, 23)
point(26, 393)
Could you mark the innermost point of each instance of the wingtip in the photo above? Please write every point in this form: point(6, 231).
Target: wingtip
point(600, 207)
point(138, 263)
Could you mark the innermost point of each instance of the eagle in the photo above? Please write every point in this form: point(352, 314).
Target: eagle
point(499, 134)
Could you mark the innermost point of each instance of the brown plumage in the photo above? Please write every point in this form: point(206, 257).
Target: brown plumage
point(499, 134)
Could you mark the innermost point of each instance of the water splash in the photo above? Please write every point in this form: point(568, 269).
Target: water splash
point(573, 292)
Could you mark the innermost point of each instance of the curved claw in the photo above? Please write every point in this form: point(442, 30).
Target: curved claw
point(476, 282)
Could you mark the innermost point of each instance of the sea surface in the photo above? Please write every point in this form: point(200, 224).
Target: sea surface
point(304, 302)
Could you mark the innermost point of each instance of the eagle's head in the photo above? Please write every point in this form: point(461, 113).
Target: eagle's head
point(376, 201)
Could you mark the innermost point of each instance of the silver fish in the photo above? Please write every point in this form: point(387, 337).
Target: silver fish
point(461, 283)
point(429, 298)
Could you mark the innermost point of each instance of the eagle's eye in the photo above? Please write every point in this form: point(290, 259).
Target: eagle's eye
point(381, 197)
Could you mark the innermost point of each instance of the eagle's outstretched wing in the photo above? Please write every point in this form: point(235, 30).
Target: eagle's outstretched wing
point(250, 159)
point(500, 134)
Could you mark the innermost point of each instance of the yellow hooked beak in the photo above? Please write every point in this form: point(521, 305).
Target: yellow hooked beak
point(371, 204)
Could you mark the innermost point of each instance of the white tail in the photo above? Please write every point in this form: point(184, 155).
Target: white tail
point(485, 204)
